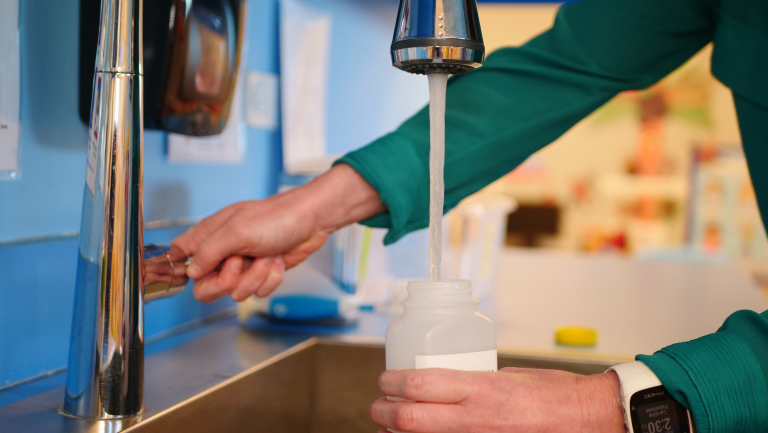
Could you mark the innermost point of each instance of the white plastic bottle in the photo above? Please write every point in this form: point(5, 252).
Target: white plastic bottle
point(441, 328)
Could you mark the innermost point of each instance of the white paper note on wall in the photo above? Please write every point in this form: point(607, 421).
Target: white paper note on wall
point(305, 37)
point(225, 148)
point(261, 100)
point(9, 89)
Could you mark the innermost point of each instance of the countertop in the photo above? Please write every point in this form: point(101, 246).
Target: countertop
point(636, 306)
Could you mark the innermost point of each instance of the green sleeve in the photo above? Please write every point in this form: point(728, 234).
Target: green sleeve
point(524, 98)
point(721, 377)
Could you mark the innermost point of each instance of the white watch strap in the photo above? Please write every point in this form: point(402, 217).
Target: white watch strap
point(633, 377)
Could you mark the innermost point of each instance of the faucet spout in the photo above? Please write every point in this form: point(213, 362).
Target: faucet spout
point(106, 356)
point(437, 35)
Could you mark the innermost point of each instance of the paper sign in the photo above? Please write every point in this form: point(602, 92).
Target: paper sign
point(9, 90)
point(261, 100)
point(305, 36)
point(225, 148)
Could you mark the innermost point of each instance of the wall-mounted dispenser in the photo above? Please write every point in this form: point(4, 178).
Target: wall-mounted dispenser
point(191, 58)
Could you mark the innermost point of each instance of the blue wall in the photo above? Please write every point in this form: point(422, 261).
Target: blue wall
point(40, 214)
point(37, 277)
point(47, 199)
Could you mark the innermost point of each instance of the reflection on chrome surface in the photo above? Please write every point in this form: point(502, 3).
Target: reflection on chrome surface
point(105, 372)
point(163, 277)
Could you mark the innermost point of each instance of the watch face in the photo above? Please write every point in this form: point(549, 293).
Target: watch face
point(654, 411)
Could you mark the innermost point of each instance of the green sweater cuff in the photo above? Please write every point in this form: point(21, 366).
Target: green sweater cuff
point(718, 378)
point(376, 163)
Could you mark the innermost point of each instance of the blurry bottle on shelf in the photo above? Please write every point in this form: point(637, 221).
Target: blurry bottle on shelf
point(475, 231)
point(724, 217)
point(531, 222)
point(473, 236)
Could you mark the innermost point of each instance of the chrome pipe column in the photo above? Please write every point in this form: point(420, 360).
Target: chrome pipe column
point(437, 35)
point(106, 355)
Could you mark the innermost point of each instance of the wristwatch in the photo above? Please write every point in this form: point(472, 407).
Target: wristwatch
point(647, 406)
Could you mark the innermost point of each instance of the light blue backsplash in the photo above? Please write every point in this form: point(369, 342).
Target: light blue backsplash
point(37, 284)
point(37, 278)
point(366, 98)
point(47, 199)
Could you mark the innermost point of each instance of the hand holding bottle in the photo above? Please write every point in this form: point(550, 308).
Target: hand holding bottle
point(511, 400)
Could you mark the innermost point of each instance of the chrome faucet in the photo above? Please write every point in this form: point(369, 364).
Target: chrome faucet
point(437, 35)
point(115, 273)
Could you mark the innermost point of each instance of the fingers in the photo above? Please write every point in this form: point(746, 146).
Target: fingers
point(274, 278)
point(298, 254)
point(252, 279)
point(211, 251)
point(434, 385)
point(229, 275)
point(176, 253)
point(417, 417)
point(241, 278)
point(218, 284)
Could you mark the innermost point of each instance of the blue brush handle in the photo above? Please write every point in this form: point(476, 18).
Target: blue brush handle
point(303, 307)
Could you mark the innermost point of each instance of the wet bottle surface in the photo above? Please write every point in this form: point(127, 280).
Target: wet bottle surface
point(441, 328)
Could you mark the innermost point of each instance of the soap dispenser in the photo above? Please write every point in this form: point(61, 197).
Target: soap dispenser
point(192, 51)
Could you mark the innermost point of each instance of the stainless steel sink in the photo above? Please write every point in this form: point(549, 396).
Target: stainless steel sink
point(231, 379)
point(325, 387)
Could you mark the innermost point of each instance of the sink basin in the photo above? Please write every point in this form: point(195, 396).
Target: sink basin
point(325, 386)
point(231, 379)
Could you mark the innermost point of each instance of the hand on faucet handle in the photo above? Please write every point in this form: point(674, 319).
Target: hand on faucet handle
point(245, 248)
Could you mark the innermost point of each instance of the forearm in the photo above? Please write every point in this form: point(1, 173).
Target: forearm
point(524, 98)
point(338, 198)
point(598, 397)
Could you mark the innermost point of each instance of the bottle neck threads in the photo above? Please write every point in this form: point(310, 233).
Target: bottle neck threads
point(450, 293)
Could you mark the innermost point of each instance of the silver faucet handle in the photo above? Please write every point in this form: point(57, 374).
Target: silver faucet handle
point(163, 277)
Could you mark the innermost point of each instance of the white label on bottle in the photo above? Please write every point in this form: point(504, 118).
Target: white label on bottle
point(473, 361)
